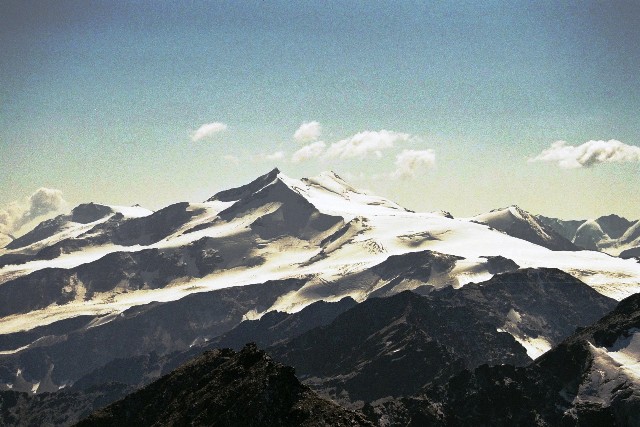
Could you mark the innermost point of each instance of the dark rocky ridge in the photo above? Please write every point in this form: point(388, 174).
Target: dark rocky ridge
point(276, 327)
point(224, 388)
point(533, 292)
point(541, 394)
point(630, 253)
point(89, 212)
point(397, 345)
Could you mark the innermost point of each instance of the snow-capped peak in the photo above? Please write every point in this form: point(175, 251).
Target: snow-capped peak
point(327, 192)
point(519, 223)
point(237, 193)
point(501, 217)
point(332, 195)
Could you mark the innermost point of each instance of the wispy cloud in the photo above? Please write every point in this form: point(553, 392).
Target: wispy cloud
point(589, 154)
point(307, 132)
point(208, 130)
point(366, 143)
point(42, 202)
point(409, 163)
point(308, 152)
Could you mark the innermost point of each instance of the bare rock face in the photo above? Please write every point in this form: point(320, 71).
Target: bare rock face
point(615, 226)
point(223, 387)
point(89, 212)
point(395, 346)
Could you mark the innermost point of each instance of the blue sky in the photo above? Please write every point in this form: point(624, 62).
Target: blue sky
point(102, 100)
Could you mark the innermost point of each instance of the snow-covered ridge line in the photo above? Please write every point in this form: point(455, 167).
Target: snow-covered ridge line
point(278, 227)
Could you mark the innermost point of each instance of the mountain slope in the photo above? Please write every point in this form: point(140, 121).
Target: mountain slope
point(590, 235)
point(590, 379)
point(516, 222)
point(63, 408)
point(396, 345)
point(226, 388)
point(270, 329)
point(62, 354)
point(50, 233)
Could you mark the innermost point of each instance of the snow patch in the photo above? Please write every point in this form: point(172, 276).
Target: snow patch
point(626, 351)
point(610, 371)
point(132, 211)
point(535, 346)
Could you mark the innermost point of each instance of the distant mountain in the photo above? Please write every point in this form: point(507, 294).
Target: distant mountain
point(590, 235)
point(394, 346)
point(631, 237)
point(519, 223)
point(590, 379)
point(82, 214)
point(611, 234)
point(45, 239)
point(565, 228)
point(614, 226)
point(223, 387)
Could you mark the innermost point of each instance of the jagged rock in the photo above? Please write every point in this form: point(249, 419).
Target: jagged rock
point(224, 388)
point(584, 381)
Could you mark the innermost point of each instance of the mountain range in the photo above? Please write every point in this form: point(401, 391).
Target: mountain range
point(380, 309)
point(611, 234)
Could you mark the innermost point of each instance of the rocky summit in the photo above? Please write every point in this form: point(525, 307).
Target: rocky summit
point(225, 388)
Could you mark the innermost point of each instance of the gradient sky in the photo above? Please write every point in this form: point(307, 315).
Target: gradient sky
point(101, 99)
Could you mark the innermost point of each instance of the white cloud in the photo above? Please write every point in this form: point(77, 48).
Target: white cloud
point(208, 130)
point(42, 202)
point(365, 143)
point(278, 155)
point(410, 162)
point(588, 154)
point(310, 151)
point(307, 132)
